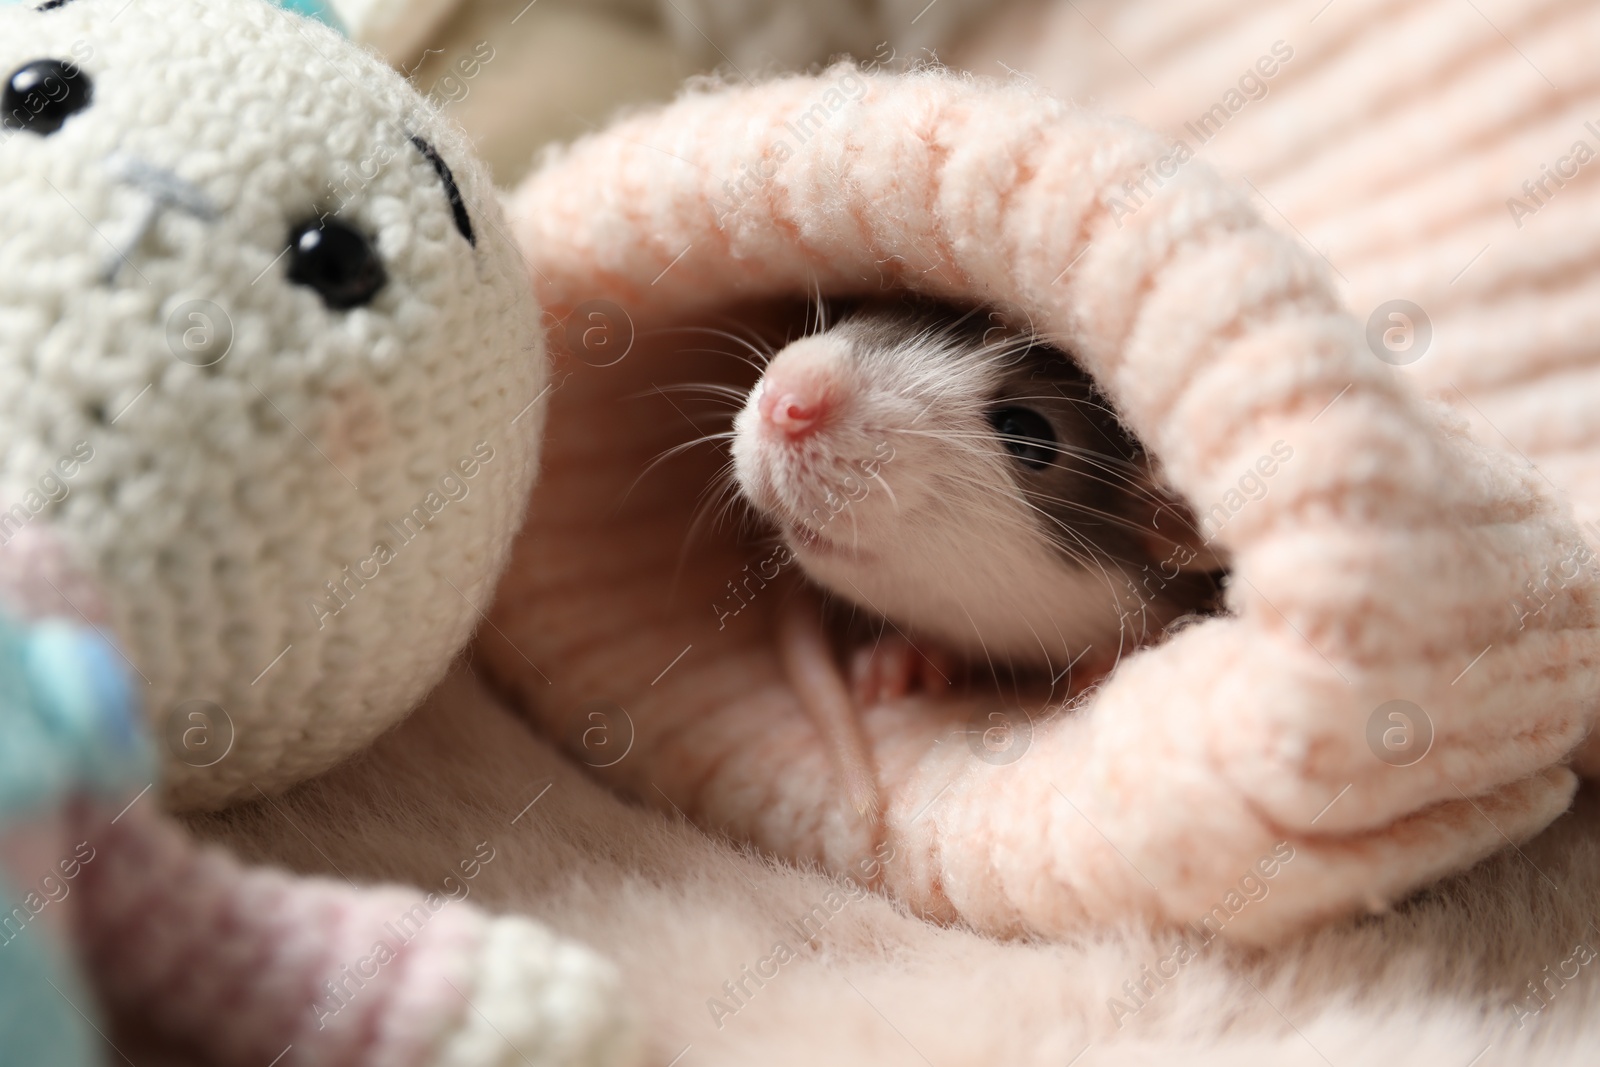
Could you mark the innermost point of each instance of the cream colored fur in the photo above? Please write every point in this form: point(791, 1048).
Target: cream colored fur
point(1431, 983)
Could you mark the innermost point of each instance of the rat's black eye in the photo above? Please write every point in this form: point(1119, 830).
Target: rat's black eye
point(337, 261)
point(41, 95)
point(1027, 435)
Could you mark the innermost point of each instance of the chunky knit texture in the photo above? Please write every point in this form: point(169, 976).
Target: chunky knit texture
point(229, 513)
point(1408, 176)
point(1380, 566)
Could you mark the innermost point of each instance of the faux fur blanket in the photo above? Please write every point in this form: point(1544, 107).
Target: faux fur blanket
point(1500, 959)
point(1423, 562)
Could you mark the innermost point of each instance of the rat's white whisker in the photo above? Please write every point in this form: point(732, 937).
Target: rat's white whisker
point(758, 348)
point(720, 390)
point(894, 501)
point(675, 450)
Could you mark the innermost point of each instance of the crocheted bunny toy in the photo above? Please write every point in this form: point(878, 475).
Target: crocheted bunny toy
point(264, 284)
point(270, 383)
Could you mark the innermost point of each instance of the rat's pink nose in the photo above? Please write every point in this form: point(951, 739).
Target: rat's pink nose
point(794, 407)
point(804, 388)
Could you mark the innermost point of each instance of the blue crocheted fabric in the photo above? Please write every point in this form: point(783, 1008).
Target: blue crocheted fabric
point(68, 719)
point(69, 728)
point(317, 9)
point(320, 10)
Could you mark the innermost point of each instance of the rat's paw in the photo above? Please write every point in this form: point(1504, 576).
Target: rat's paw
point(892, 667)
point(541, 1001)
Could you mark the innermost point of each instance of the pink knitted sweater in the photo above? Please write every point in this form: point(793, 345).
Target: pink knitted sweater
point(1383, 564)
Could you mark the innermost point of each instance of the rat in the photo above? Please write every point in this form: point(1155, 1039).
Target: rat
point(969, 485)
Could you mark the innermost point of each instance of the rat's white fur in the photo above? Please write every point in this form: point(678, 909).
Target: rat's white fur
point(901, 501)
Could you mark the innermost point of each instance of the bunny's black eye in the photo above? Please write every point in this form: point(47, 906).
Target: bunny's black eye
point(337, 261)
point(1027, 435)
point(41, 95)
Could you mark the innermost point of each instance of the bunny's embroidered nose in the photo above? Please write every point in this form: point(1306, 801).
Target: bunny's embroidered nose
point(42, 94)
point(164, 187)
point(166, 192)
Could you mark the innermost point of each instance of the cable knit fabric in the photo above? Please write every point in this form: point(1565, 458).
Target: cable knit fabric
point(1427, 180)
point(1381, 566)
point(1456, 181)
point(293, 511)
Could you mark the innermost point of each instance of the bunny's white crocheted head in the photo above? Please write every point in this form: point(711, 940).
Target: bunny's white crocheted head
point(269, 373)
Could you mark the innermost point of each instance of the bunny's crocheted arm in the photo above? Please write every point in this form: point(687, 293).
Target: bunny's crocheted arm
point(249, 965)
point(253, 964)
